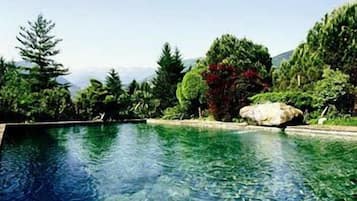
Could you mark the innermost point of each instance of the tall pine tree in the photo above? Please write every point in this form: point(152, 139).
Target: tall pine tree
point(113, 83)
point(168, 75)
point(38, 46)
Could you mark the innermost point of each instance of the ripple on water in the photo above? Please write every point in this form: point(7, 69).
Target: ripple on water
point(142, 162)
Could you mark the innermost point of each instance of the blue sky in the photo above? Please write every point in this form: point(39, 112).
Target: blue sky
point(129, 34)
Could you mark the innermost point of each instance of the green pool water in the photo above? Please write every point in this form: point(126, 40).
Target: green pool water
point(146, 162)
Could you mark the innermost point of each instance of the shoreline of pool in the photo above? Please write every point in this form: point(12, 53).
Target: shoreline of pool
point(5, 126)
point(346, 132)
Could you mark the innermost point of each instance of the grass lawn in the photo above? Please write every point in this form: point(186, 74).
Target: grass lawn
point(350, 121)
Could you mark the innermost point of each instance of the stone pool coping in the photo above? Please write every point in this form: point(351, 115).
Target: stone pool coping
point(345, 132)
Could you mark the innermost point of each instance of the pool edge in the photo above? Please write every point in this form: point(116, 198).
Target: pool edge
point(4, 126)
point(290, 130)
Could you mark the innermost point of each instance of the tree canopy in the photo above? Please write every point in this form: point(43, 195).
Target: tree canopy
point(241, 53)
point(167, 76)
point(331, 43)
point(38, 46)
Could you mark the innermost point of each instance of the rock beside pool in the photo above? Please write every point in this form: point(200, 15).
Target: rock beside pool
point(272, 114)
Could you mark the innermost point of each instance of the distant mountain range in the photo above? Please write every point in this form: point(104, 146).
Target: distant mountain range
point(80, 79)
point(278, 59)
point(188, 63)
point(73, 88)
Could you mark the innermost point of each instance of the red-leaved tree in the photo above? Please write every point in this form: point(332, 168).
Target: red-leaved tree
point(229, 89)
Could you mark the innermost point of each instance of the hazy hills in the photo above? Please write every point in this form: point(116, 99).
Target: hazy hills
point(80, 79)
point(276, 60)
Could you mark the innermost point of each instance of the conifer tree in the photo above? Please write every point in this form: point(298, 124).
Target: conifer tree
point(3, 69)
point(331, 43)
point(113, 83)
point(168, 75)
point(133, 86)
point(38, 46)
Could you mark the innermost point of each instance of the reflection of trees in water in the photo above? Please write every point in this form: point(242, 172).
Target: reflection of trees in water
point(131, 165)
point(124, 160)
point(214, 163)
point(329, 167)
point(97, 140)
point(282, 181)
point(38, 159)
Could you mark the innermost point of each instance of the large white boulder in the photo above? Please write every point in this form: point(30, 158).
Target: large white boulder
point(272, 114)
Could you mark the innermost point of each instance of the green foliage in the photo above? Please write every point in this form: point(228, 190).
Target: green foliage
point(168, 75)
point(330, 43)
point(90, 101)
point(38, 46)
point(51, 105)
point(16, 98)
point(113, 83)
point(144, 105)
point(241, 53)
point(333, 91)
point(193, 86)
point(113, 103)
point(177, 112)
point(300, 72)
point(298, 99)
point(238, 69)
point(19, 103)
point(4, 67)
point(342, 121)
point(332, 87)
point(191, 93)
point(133, 86)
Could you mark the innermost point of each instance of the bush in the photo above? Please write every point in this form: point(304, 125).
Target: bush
point(333, 90)
point(176, 112)
point(298, 99)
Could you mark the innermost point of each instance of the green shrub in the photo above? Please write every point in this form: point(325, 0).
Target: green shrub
point(176, 112)
point(298, 99)
point(342, 121)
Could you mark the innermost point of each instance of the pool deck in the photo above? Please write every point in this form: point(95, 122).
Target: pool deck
point(323, 130)
point(345, 132)
point(211, 124)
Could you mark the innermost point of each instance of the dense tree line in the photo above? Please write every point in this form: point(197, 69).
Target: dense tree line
point(34, 93)
point(221, 83)
point(320, 76)
point(324, 67)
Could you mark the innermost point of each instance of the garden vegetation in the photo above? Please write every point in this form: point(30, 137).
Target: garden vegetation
point(320, 78)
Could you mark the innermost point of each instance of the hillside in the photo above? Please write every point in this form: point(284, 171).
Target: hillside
point(73, 88)
point(276, 60)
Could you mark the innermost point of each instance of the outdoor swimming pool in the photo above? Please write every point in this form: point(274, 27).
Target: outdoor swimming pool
point(147, 162)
